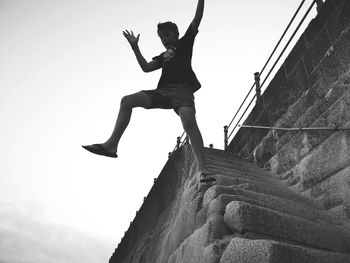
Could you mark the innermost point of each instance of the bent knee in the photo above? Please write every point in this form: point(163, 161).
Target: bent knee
point(135, 100)
point(126, 102)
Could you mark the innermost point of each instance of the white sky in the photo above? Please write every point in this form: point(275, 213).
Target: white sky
point(65, 65)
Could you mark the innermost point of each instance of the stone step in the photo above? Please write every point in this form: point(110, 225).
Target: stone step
point(270, 189)
point(224, 155)
point(216, 190)
point(243, 173)
point(218, 205)
point(218, 152)
point(248, 178)
point(229, 175)
point(237, 164)
point(244, 217)
point(242, 250)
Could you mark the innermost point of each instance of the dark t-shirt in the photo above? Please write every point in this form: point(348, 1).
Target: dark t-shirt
point(176, 62)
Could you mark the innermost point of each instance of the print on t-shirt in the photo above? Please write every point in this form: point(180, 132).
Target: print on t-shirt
point(169, 54)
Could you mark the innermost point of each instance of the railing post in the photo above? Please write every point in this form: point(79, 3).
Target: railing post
point(178, 142)
point(257, 85)
point(225, 136)
point(319, 5)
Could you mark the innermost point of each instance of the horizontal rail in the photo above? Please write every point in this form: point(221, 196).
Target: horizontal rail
point(267, 62)
point(257, 77)
point(335, 128)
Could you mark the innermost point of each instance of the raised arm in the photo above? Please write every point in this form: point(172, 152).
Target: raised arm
point(133, 41)
point(199, 14)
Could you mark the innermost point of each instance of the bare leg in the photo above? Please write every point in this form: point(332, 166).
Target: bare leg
point(188, 118)
point(127, 103)
point(110, 147)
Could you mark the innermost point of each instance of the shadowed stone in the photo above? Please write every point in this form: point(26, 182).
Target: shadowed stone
point(193, 248)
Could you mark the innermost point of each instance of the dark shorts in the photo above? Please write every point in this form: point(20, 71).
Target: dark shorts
point(171, 96)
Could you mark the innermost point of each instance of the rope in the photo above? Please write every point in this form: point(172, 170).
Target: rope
point(279, 57)
point(273, 52)
point(335, 128)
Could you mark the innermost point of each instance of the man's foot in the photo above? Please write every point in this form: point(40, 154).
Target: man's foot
point(100, 150)
point(207, 177)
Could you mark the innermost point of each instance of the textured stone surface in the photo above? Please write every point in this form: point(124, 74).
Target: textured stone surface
point(334, 191)
point(317, 51)
point(198, 224)
point(323, 162)
point(340, 19)
point(253, 191)
point(243, 217)
point(193, 248)
point(241, 250)
point(311, 89)
point(218, 205)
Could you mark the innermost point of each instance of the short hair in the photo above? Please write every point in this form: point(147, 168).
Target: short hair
point(170, 26)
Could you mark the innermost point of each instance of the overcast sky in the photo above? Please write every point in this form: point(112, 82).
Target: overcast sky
point(64, 66)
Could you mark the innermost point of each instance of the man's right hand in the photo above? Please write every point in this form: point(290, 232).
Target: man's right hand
point(133, 41)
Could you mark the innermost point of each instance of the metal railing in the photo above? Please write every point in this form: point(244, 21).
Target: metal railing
point(180, 141)
point(257, 75)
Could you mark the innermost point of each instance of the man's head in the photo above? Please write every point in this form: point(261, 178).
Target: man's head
point(168, 33)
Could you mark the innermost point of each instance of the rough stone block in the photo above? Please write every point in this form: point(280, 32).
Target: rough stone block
point(201, 217)
point(333, 191)
point(241, 250)
point(284, 194)
point(218, 205)
point(316, 76)
point(317, 51)
point(299, 76)
point(275, 139)
point(329, 158)
point(185, 221)
point(340, 19)
point(317, 24)
point(243, 217)
point(266, 149)
point(337, 3)
point(304, 142)
point(193, 248)
point(213, 252)
point(295, 55)
point(337, 63)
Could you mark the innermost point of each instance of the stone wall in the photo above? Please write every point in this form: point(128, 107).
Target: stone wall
point(311, 89)
point(247, 215)
point(169, 214)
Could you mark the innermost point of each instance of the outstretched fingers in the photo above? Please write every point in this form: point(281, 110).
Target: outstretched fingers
point(130, 36)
